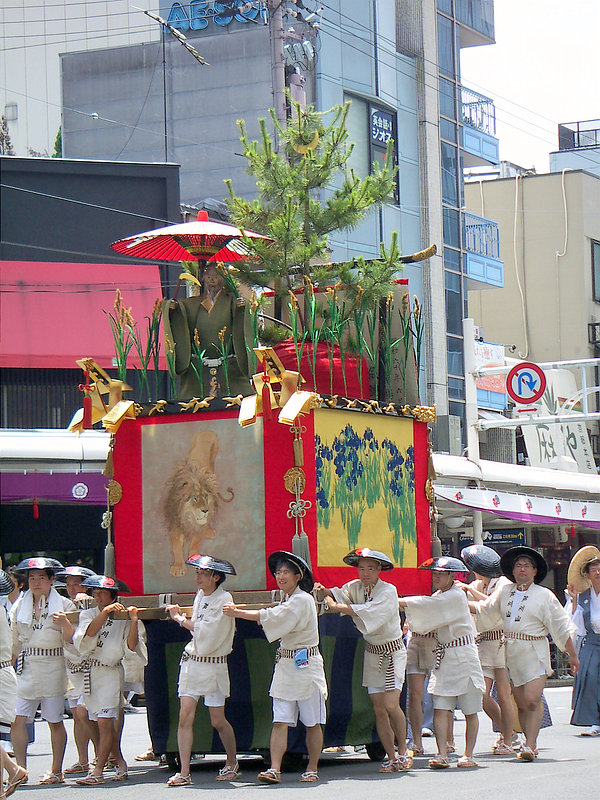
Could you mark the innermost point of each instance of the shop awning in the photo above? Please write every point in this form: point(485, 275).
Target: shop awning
point(52, 314)
point(524, 506)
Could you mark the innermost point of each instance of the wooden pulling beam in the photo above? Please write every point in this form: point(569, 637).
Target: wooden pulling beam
point(161, 613)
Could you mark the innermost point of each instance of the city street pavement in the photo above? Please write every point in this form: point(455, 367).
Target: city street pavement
point(568, 766)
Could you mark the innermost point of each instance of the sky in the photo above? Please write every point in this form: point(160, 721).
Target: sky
point(543, 70)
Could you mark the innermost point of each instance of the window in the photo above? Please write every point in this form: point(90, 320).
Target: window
point(451, 231)
point(447, 130)
point(453, 303)
point(370, 126)
point(454, 349)
point(596, 270)
point(447, 91)
point(449, 174)
point(456, 388)
point(445, 37)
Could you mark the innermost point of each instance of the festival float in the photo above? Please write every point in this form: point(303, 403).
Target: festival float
point(325, 449)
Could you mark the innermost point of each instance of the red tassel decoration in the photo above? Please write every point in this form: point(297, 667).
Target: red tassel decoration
point(266, 400)
point(36, 510)
point(572, 531)
point(87, 412)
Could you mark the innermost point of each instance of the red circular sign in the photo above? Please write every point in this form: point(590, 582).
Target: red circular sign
point(526, 382)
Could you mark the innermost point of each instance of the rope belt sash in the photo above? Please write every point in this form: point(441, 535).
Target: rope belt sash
point(383, 650)
point(36, 651)
point(423, 635)
point(185, 656)
point(81, 666)
point(524, 637)
point(4, 664)
point(441, 647)
point(282, 653)
point(86, 668)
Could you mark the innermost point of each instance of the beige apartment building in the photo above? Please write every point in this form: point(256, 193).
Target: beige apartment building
point(549, 229)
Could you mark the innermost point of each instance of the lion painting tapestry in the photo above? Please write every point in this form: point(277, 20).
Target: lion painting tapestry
point(202, 491)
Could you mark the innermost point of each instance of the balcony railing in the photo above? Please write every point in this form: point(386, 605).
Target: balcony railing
point(579, 135)
point(478, 111)
point(482, 236)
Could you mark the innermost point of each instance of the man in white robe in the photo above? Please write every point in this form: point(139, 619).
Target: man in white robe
point(528, 613)
point(373, 605)
point(485, 564)
point(298, 687)
point(39, 631)
point(103, 641)
point(456, 677)
point(8, 694)
point(203, 671)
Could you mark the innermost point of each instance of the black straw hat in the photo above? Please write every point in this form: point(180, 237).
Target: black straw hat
point(209, 562)
point(80, 572)
point(39, 562)
point(306, 581)
point(106, 582)
point(482, 560)
point(444, 564)
point(366, 552)
point(6, 583)
point(507, 562)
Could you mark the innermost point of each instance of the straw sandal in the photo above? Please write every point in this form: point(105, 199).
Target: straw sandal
point(11, 785)
point(90, 780)
point(526, 754)
point(467, 762)
point(229, 773)
point(120, 776)
point(51, 778)
point(269, 776)
point(404, 762)
point(503, 749)
point(418, 751)
point(310, 776)
point(149, 755)
point(78, 768)
point(387, 766)
point(438, 763)
point(180, 780)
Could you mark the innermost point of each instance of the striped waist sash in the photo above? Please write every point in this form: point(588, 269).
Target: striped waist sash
point(441, 647)
point(383, 650)
point(423, 635)
point(86, 668)
point(524, 637)
point(36, 651)
point(4, 664)
point(185, 656)
point(283, 653)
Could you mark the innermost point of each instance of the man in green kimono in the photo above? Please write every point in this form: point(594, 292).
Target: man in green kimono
point(208, 333)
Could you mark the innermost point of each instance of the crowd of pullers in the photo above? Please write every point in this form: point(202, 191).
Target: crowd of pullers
point(464, 639)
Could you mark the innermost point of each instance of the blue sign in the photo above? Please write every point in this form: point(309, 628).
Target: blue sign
point(196, 14)
point(382, 126)
point(505, 537)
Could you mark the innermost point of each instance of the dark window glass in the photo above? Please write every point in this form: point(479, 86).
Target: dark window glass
point(447, 106)
point(445, 6)
point(447, 129)
point(451, 236)
point(456, 388)
point(596, 269)
point(458, 410)
point(453, 304)
point(454, 348)
point(445, 45)
point(449, 184)
point(451, 259)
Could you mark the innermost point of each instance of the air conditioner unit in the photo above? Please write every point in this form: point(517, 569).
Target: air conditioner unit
point(594, 333)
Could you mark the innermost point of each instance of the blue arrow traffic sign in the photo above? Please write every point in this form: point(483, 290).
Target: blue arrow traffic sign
point(526, 382)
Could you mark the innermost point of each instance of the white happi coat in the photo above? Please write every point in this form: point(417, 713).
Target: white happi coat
point(492, 652)
point(539, 614)
point(105, 652)
point(212, 637)
point(8, 678)
point(295, 623)
point(447, 613)
point(378, 619)
point(41, 675)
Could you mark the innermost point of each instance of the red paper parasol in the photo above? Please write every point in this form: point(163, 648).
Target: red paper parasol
point(201, 240)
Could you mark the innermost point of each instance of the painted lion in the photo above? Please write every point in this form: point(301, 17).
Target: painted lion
point(192, 499)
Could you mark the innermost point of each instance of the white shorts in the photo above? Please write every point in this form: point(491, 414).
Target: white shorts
point(311, 710)
point(52, 708)
point(470, 702)
point(412, 669)
point(398, 684)
point(211, 699)
point(105, 713)
point(75, 701)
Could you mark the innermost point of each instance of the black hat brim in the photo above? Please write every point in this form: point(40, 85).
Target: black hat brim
point(210, 562)
point(306, 581)
point(6, 583)
point(507, 562)
point(483, 560)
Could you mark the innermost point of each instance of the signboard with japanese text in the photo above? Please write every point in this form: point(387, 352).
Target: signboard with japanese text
point(557, 445)
point(382, 126)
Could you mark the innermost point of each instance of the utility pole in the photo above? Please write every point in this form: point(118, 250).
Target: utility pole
point(471, 415)
point(277, 60)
